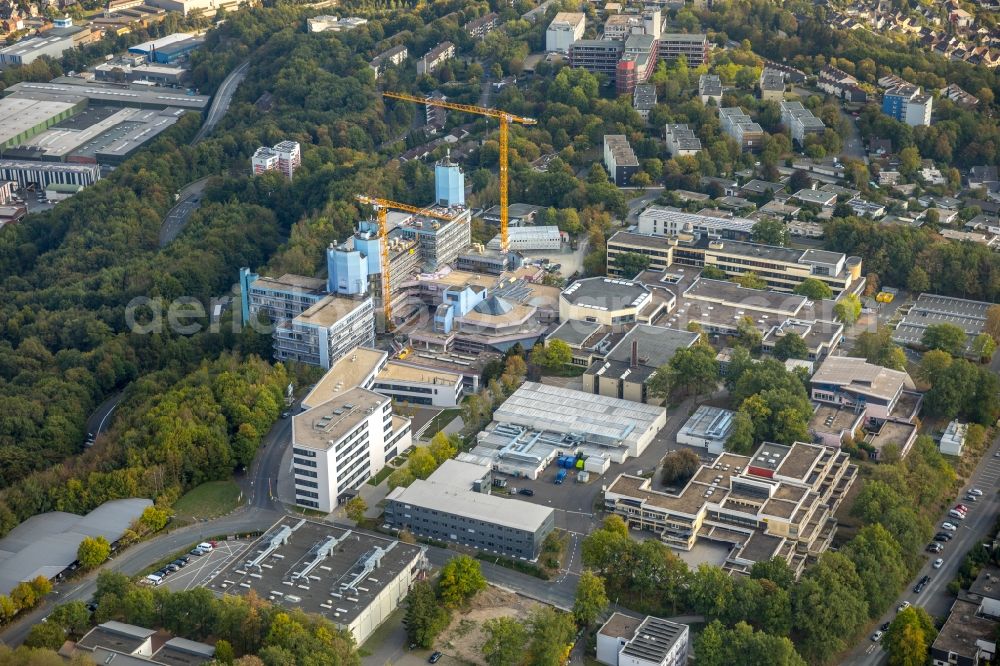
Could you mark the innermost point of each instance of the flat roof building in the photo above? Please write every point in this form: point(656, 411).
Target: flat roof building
point(681, 140)
point(454, 504)
point(43, 174)
point(708, 428)
point(772, 85)
point(326, 331)
point(800, 121)
point(417, 385)
point(606, 301)
point(627, 641)
point(626, 370)
point(341, 443)
point(619, 159)
point(931, 309)
point(150, 97)
point(53, 44)
point(779, 502)
point(527, 239)
point(737, 124)
point(354, 579)
point(710, 88)
point(355, 369)
point(598, 56)
point(694, 48)
point(854, 383)
point(565, 28)
point(644, 99)
point(21, 119)
point(660, 221)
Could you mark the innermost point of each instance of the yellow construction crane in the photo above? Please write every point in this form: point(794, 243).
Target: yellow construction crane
point(505, 119)
point(382, 207)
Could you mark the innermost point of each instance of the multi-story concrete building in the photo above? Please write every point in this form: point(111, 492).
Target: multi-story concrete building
point(619, 159)
point(779, 502)
point(626, 370)
point(454, 505)
point(737, 124)
point(285, 157)
point(565, 29)
point(341, 443)
point(782, 268)
point(482, 26)
point(391, 58)
point(43, 174)
point(854, 383)
point(599, 56)
point(636, 64)
point(644, 99)
point(772, 85)
point(710, 88)
point(908, 104)
point(660, 221)
point(613, 302)
point(419, 386)
point(694, 48)
point(439, 242)
point(326, 331)
point(681, 141)
point(621, 26)
point(628, 641)
point(800, 121)
point(436, 57)
point(272, 300)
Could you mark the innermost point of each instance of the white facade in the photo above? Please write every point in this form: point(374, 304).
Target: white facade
point(566, 28)
point(419, 386)
point(326, 331)
point(285, 157)
point(341, 443)
point(953, 438)
point(530, 238)
point(708, 428)
point(660, 221)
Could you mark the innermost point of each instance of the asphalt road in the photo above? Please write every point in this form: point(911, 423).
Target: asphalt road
point(177, 217)
point(220, 102)
point(935, 598)
point(100, 420)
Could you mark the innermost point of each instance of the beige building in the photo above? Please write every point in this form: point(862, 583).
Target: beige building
point(779, 502)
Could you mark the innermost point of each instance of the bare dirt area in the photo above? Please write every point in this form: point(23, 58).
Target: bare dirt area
point(464, 638)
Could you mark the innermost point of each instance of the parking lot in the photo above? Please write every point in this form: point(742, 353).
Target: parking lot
point(203, 569)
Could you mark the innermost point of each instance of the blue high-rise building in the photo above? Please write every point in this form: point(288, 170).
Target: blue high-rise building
point(347, 272)
point(449, 183)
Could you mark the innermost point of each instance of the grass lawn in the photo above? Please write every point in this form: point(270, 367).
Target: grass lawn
point(442, 419)
point(208, 500)
point(382, 475)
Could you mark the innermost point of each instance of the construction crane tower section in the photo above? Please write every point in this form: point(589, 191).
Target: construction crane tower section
point(505, 119)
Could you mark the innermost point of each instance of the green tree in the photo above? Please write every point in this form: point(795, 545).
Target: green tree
point(444, 447)
point(154, 518)
point(694, 369)
point(73, 617)
point(461, 578)
point(93, 551)
point(709, 591)
point(770, 232)
point(747, 334)
point(679, 466)
point(631, 264)
point(828, 606)
point(992, 326)
point(401, 477)
point(425, 618)
point(879, 348)
point(983, 347)
point(46, 635)
point(355, 508)
point(421, 462)
point(552, 634)
point(814, 289)
point(918, 281)
point(505, 641)
point(878, 559)
point(848, 309)
point(750, 280)
point(946, 337)
point(791, 345)
point(224, 653)
point(553, 355)
point(591, 600)
point(775, 570)
point(711, 272)
point(909, 637)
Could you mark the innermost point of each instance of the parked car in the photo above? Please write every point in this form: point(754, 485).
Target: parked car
point(877, 636)
point(902, 607)
point(527, 492)
point(172, 568)
point(435, 656)
point(285, 415)
point(919, 587)
point(942, 536)
point(976, 491)
point(962, 508)
point(206, 546)
point(885, 626)
point(956, 515)
point(938, 563)
point(934, 547)
point(197, 551)
point(948, 526)
point(971, 498)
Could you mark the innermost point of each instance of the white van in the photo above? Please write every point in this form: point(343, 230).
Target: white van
point(154, 579)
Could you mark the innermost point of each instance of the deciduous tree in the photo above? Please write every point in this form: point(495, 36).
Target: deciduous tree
point(591, 600)
point(93, 551)
point(505, 641)
point(461, 578)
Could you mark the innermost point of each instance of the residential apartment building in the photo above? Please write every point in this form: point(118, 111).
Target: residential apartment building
point(436, 57)
point(737, 124)
point(660, 221)
point(285, 157)
point(619, 159)
point(628, 641)
point(341, 443)
point(644, 99)
point(779, 502)
point(771, 85)
point(694, 48)
point(391, 58)
point(599, 56)
point(782, 268)
point(566, 29)
point(326, 331)
point(419, 386)
point(800, 121)
point(454, 505)
point(908, 104)
point(482, 26)
point(681, 141)
point(710, 88)
point(840, 84)
point(636, 64)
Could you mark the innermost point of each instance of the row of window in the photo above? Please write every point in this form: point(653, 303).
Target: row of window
point(307, 463)
point(303, 452)
point(305, 472)
point(307, 484)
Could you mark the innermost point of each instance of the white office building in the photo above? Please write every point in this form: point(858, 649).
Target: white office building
point(628, 641)
point(566, 28)
point(660, 221)
point(341, 443)
point(418, 385)
point(326, 331)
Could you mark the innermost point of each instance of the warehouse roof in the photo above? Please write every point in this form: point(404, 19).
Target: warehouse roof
point(152, 97)
point(46, 544)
